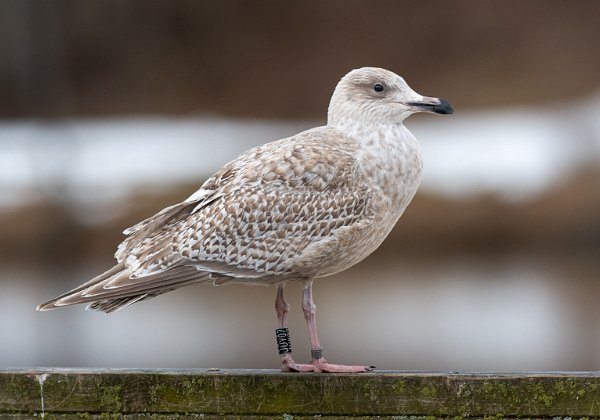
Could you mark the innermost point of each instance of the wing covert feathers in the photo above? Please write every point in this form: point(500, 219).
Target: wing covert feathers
point(250, 222)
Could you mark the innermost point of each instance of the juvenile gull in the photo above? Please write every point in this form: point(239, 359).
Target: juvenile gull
point(297, 209)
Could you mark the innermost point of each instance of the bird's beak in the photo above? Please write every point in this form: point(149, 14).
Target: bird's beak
point(433, 105)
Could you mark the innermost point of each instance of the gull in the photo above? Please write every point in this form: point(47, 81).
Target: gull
point(294, 210)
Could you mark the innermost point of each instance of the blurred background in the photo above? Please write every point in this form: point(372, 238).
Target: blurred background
point(111, 110)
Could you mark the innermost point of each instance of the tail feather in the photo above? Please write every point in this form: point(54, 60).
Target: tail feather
point(46, 306)
point(113, 305)
point(126, 294)
point(127, 283)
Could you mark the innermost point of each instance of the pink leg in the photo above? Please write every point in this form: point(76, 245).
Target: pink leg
point(287, 362)
point(319, 363)
point(282, 307)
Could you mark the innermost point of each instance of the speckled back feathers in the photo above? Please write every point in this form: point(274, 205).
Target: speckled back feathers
point(299, 208)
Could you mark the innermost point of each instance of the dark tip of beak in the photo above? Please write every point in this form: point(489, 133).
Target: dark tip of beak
point(443, 108)
point(437, 106)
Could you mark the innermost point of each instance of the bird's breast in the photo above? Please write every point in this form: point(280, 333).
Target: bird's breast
point(391, 166)
point(390, 160)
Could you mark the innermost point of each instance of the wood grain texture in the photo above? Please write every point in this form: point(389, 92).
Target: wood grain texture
point(127, 393)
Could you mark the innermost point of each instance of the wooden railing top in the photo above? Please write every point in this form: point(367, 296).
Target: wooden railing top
point(173, 393)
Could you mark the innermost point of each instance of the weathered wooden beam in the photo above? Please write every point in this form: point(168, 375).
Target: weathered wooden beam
point(167, 393)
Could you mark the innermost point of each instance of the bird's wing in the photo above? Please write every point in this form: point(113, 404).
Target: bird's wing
point(257, 214)
point(259, 232)
point(248, 222)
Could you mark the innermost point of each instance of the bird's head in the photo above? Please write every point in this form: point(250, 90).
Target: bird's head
point(374, 96)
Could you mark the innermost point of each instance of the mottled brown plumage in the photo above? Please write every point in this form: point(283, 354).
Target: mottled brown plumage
point(297, 209)
point(249, 223)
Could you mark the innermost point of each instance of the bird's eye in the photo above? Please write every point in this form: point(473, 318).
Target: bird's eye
point(378, 87)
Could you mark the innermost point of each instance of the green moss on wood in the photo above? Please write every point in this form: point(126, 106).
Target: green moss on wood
point(113, 394)
point(110, 397)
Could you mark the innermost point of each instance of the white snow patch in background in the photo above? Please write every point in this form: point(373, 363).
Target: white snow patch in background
point(93, 164)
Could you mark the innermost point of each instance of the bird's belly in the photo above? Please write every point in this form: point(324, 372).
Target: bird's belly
point(393, 169)
point(354, 246)
point(357, 243)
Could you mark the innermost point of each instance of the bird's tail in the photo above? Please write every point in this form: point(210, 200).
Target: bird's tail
point(56, 302)
point(115, 288)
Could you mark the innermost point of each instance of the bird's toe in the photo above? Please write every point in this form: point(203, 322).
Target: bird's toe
point(321, 365)
point(289, 365)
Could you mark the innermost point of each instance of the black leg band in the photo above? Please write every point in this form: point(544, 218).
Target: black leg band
point(316, 354)
point(284, 344)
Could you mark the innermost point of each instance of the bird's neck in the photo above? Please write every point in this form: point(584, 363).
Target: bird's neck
point(389, 156)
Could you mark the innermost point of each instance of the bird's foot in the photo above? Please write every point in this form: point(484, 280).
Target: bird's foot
point(321, 365)
point(289, 365)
